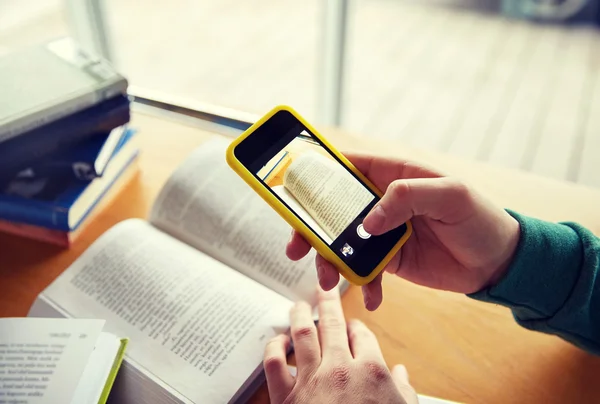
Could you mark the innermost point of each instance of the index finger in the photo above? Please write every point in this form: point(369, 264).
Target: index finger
point(383, 170)
point(304, 336)
point(332, 327)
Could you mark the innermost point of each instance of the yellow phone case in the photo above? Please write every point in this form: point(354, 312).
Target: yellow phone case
point(289, 216)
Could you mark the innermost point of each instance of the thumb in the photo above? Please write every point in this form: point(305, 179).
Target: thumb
point(437, 198)
point(400, 377)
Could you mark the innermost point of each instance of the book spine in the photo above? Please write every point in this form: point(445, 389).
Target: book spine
point(60, 110)
point(50, 216)
point(83, 164)
point(34, 213)
point(17, 153)
point(56, 237)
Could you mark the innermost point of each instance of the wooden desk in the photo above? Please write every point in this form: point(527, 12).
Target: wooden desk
point(454, 347)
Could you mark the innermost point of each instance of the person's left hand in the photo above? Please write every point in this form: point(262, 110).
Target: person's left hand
point(336, 363)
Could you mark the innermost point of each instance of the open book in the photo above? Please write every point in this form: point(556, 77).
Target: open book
point(199, 288)
point(57, 360)
point(323, 193)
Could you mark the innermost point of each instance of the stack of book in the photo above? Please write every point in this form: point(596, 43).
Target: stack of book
point(65, 147)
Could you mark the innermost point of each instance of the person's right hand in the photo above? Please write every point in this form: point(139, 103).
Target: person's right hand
point(461, 242)
point(337, 362)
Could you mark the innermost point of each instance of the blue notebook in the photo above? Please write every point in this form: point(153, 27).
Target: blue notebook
point(18, 152)
point(85, 161)
point(59, 203)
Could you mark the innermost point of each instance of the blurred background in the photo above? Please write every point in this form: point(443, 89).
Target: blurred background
point(513, 82)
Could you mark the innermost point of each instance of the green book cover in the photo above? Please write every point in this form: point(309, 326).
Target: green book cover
point(113, 371)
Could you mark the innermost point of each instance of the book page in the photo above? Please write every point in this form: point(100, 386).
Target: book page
point(328, 192)
point(41, 360)
point(97, 372)
point(206, 205)
point(290, 201)
point(193, 323)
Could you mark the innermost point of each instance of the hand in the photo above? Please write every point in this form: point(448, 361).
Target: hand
point(335, 364)
point(461, 242)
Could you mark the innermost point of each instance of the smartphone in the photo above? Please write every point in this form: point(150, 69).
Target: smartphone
point(317, 191)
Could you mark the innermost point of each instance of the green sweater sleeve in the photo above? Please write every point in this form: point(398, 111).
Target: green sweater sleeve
point(553, 283)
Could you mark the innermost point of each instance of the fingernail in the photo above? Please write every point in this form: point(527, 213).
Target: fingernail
point(374, 220)
point(291, 237)
point(401, 372)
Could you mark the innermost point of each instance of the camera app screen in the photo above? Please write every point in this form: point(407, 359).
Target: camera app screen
point(321, 192)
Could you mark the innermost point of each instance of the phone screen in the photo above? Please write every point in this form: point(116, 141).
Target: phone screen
point(318, 188)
